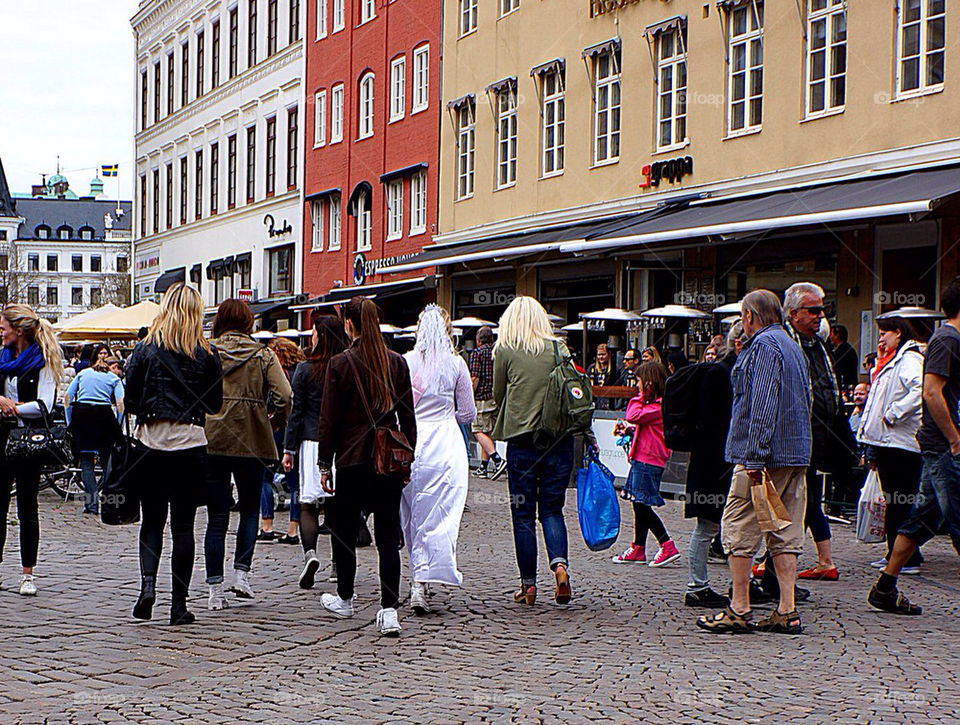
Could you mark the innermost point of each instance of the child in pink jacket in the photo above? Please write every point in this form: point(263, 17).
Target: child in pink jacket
point(648, 456)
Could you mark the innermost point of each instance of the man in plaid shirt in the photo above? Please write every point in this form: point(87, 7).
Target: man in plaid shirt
point(481, 372)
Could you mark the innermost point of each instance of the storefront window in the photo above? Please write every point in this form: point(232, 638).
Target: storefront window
point(281, 270)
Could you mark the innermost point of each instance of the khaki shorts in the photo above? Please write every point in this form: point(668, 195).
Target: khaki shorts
point(486, 417)
point(739, 529)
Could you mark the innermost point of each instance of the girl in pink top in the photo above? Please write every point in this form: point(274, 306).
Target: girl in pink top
point(648, 456)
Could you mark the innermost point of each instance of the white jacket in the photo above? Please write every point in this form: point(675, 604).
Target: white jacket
point(891, 415)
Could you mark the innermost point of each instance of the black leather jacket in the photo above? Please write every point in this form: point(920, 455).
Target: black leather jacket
point(164, 385)
point(304, 421)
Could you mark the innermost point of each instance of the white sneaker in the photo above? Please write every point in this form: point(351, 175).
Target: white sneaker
point(910, 570)
point(339, 607)
point(28, 587)
point(217, 601)
point(387, 622)
point(879, 563)
point(242, 586)
point(310, 565)
point(418, 599)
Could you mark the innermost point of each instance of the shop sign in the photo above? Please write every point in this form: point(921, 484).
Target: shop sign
point(148, 262)
point(363, 267)
point(275, 231)
point(673, 171)
point(600, 7)
point(247, 295)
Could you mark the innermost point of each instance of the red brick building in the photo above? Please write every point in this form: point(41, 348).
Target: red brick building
point(371, 149)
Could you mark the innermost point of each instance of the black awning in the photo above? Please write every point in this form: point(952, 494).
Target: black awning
point(380, 289)
point(228, 265)
point(665, 26)
point(195, 273)
point(405, 171)
point(607, 46)
point(361, 188)
point(557, 65)
point(241, 258)
point(264, 306)
point(169, 278)
point(213, 267)
point(321, 194)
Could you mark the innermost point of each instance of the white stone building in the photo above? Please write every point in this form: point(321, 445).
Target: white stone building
point(219, 134)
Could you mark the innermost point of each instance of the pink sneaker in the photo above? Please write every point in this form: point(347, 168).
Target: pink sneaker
point(666, 554)
point(633, 554)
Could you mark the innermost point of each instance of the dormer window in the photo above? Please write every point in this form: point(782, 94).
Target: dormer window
point(86, 233)
point(43, 232)
point(64, 232)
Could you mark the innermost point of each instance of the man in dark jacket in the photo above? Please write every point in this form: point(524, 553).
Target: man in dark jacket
point(845, 359)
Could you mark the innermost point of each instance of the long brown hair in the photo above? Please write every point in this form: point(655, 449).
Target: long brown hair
point(652, 376)
point(233, 315)
point(331, 341)
point(372, 355)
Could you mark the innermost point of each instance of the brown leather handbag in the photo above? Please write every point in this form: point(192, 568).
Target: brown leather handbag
point(392, 452)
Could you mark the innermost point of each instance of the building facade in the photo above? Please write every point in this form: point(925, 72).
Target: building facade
point(218, 149)
point(687, 152)
point(371, 149)
point(61, 253)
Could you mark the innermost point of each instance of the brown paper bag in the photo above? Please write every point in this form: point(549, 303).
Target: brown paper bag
point(771, 513)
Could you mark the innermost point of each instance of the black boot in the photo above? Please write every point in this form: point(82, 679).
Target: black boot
point(179, 614)
point(143, 609)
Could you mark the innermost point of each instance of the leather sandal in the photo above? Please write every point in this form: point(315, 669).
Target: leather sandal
point(563, 592)
point(526, 595)
point(726, 622)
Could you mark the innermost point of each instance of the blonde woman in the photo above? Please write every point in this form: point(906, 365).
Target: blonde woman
point(31, 365)
point(173, 382)
point(539, 469)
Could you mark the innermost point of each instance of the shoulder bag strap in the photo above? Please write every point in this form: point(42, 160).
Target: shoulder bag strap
point(556, 353)
point(363, 393)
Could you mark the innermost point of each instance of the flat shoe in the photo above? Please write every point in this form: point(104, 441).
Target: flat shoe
point(825, 575)
point(563, 592)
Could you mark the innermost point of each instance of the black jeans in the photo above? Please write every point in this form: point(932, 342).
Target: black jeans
point(248, 474)
point(815, 519)
point(170, 481)
point(899, 473)
point(28, 485)
point(358, 489)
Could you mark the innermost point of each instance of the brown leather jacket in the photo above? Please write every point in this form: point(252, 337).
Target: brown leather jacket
point(345, 430)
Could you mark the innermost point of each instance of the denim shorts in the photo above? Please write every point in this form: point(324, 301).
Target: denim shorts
point(643, 484)
point(938, 501)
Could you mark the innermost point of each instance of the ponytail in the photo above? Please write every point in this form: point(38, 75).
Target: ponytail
point(372, 351)
point(40, 331)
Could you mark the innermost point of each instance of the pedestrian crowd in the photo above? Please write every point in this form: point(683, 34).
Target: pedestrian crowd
point(353, 429)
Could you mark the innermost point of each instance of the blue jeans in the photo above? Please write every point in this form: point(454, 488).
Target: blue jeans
point(538, 487)
point(248, 475)
point(938, 502)
point(700, 539)
point(89, 477)
point(292, 480)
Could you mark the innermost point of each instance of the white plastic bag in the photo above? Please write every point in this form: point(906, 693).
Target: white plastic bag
point(871, 511)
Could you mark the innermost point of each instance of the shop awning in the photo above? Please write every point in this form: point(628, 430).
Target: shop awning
point(534, 242)
point(405, 171)
point(264, 306)
point(169, 278)
point(320, 194)
point(378, 290)
point(916, 192)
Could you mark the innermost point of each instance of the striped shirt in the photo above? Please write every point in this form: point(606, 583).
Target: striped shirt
point(770, 424)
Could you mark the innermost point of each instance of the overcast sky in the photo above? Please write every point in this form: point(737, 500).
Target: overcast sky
point(67, 88)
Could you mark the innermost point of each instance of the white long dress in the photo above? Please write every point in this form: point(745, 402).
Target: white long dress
point(432, 503)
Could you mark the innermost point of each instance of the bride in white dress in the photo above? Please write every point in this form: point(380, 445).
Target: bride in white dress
point(432, 503)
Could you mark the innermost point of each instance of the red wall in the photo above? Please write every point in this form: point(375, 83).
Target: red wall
point(344, 56)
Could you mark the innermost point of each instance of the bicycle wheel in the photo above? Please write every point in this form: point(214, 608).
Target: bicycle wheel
point(67, 484)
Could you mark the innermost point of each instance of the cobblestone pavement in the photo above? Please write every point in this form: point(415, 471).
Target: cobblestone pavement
point(624, 650)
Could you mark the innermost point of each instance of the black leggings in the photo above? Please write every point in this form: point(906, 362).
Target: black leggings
point(309, 526)
point(170, 481)
point(899, 472)
point(28, 485)
point(359, 489)
point(646, 519)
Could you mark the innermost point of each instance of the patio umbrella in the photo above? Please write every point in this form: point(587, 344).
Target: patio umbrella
point(472, 322)
point(912, 313)
point(388, 329)
point(731, 308)
point(613, 314)
point(263, 335)
point(677, 312)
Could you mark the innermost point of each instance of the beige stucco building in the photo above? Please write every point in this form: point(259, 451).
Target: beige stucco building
point(804, 140)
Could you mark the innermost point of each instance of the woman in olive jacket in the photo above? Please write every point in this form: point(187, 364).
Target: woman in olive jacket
point(240, 442)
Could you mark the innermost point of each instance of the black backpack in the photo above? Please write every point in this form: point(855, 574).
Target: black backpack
point(681, 407)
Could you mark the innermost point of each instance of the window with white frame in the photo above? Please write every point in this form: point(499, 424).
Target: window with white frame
point(745, 68)
point(394, 209)
point(553, 120)
point(368, 10)
point(826, 56)
point(333, 223)
point(672, 88)
point(321, 19)
point(508, 6)
point(506, 137)
point(398, 87)
point(418, 203)
point(316, 219)
point(468, 16)
point(421, 78)
point(364, 221)
point(319, 118)
point(921, 33)
point(338, 21)
point(466, 138)
point(336, 113)
point(365, 98)
point(606, 107)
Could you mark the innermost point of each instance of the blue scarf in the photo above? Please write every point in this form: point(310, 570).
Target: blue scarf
point(28, 361)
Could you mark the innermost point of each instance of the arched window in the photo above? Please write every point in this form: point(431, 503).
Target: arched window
point(366, 106)
point(364, 221)
point(43, 232)
point(86, 233)
point(64, 232)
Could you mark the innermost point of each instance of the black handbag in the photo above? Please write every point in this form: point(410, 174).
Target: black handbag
point(119, 502)
point(46, 446)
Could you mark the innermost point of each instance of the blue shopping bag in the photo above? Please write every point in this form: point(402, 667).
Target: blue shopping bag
point(597, 506)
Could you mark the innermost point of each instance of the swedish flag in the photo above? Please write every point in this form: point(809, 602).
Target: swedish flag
point(109, 170)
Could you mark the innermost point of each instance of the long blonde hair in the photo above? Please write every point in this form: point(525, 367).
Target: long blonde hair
point(40, 331)
point(179, 325)
point(524, 326)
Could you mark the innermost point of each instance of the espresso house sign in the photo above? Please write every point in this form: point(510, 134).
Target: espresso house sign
point(601, 7)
